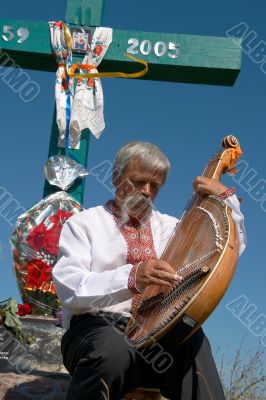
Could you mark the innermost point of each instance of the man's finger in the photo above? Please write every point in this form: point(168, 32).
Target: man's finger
point(164, 266)
point(161, 274)
point(178, 277)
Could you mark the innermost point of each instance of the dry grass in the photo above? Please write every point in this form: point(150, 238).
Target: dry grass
point(244, 377)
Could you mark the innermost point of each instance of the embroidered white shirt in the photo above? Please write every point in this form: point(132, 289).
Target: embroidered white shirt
point(91, 274)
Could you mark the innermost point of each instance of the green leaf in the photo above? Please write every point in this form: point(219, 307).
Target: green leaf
point(12, 321)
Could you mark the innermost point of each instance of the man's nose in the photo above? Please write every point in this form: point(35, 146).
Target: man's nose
point(146, 189)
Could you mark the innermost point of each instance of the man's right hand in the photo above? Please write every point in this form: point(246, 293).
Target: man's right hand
point(155, 272)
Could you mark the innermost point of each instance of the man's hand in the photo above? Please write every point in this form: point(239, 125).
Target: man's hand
point(157, 272)
point(203, 185)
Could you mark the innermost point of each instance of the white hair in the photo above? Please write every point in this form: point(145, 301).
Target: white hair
point(148, 154)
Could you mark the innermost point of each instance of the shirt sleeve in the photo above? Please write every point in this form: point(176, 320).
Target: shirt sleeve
point(132, 284)
point(80, 289)
point(238, 219)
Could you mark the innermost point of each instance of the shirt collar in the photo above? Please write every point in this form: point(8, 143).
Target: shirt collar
point(111, 206)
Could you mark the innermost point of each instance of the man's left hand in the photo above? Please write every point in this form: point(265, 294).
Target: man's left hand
point(203, 185)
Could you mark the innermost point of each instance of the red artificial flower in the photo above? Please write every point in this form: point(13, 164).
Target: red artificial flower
point(58, 24)
point(36, 237)
point(64, 85)
point(38, 272)
point(60, 217)
point(16, 252)
point(91, 83)
point(42, 238)
point(64, 54)
point(50, 243)
point(98, 49)
point(17, 266)
point(24, 309)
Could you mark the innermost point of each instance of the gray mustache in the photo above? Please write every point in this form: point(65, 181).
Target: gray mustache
point(140, 199)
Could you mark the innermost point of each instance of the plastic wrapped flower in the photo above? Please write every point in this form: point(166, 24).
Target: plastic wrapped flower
point(36, 236)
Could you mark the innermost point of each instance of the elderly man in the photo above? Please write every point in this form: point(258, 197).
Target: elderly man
point(109, 253)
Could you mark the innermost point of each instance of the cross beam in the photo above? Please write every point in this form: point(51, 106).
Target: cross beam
point(171, 57)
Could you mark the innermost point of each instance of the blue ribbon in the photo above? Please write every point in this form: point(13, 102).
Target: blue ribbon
point(68, 105)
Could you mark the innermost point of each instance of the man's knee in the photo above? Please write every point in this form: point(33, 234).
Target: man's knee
point(115, 355)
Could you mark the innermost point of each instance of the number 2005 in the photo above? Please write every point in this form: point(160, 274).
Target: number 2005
point(160, 48)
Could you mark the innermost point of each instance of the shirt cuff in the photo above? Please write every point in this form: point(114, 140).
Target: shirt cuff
point(227, 193)
point(132, 279)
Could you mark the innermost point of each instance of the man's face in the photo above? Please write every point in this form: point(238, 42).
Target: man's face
point(137, 189)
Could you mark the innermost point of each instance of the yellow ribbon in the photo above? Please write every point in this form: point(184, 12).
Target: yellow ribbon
point(71, 72)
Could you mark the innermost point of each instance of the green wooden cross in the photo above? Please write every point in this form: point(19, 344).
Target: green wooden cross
point(170, 57)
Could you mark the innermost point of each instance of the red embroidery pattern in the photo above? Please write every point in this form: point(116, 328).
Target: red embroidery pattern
point(140, 246)
point(227, 193)
point(132, 280)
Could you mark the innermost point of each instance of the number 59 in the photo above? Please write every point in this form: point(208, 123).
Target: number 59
point(22, 33)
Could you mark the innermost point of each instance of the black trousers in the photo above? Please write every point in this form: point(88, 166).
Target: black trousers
point(104, 364)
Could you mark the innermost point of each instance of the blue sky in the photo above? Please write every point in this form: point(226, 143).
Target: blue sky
point(187, 121)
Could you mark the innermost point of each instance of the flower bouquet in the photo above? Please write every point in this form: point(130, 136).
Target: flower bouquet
point(34, 241)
